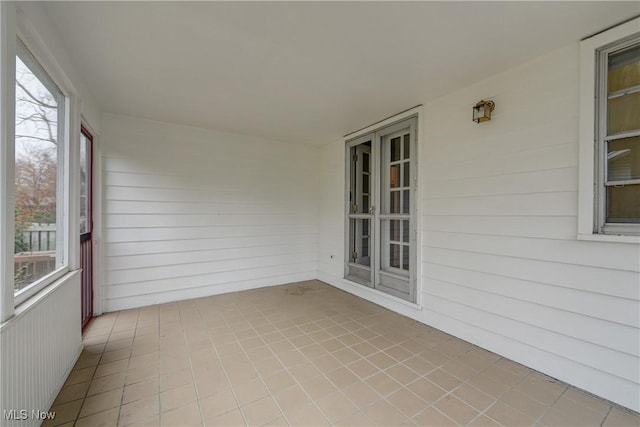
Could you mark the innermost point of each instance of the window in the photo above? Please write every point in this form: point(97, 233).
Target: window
point(39, 175)
point(610, 123)
point(381, 205)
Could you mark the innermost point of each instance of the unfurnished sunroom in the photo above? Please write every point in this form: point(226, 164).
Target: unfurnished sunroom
point(343, 213)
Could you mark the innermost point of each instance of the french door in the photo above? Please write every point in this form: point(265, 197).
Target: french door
point(86, 226)
point(381, 205)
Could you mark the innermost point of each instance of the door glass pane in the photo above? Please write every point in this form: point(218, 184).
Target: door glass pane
point(405, 257)
point(360, 164)
point(394, 202)
point(395, 149)
point(623, 204)
point(365, 162)
point(623, 159)
point(394, 255)
point(394, 230)
point(394, 176)
point(406, 168)
point(407, 150)
point(85, 183)
point(360, 242)
point(405, 231)
point(405, 201)
point(38, 163)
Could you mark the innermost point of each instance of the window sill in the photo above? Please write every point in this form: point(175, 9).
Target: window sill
point(612, 238)
point(25, 294)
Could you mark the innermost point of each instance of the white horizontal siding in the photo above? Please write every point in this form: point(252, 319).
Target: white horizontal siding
point(190, 213)
point(499, 240)
point(500, 262)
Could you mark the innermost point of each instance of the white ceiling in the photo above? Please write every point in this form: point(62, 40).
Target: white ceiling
point(306, 72)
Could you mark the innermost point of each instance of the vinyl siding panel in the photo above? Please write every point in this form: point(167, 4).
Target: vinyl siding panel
point(500, 263)
point(190, 213)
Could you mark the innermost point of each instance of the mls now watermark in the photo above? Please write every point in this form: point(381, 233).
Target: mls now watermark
point(23, 414)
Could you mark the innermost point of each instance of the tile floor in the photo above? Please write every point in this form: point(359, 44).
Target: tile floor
point(304, 354)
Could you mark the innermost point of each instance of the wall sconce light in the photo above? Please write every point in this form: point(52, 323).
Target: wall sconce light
point(482, 111)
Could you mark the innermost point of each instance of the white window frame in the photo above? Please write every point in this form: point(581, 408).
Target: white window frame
point(591, 224)
point(14, 24)
point(381, 129)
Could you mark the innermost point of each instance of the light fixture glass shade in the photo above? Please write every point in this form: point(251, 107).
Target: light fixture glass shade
point(482, 111)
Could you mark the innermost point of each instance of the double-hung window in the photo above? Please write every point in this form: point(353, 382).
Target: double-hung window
point(610, 132)
point(39, 249)
point(381, 205)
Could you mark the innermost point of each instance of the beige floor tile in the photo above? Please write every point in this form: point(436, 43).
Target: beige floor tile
point(456, 409)
point(541, 388)
point(326, 363)
point(402, 374)
point(489, 385)
point(426, 390)
point(80, 375)
point(383, 413)
point(419, 365)
point(307, 415)
point(356, 420)
point(336, 407)
point(106, 383)
point(261, 412)
point(250, 392)
point(508, 415)
point(431, 417)
point(346, 356)
point(523, 403)
point(381, 360)
point(188, 415)
point(586, 400)
point(341, 377)
point(231, 418)
point(66, 412)
point(105, 369)
point(72, 392)
point(175, 379)
point(304, 371)
point(115, 355)
point(107, 418)
point(87, 360)
point(383, 383)
point(279, 381)
point(291, 399)
point(399, 353)
point(140, 390)
point(318, 387)
point(140, 410)
point(363, 369)
point(484, 421)
point(621, 418)
point(217, 404)
point(407, 402)
point(473, 397)
point(101, 402)
point(361, 394)
point(177, 397)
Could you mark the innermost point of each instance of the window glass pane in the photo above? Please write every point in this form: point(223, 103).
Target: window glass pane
point(394, 176)
point(394, 202)
point(624, 69)
point(36, 174)
point(623, 159)
point(623, 204)
point(394, 255)
point(623, 113)
point(394, 230)
point(405, 257)
point(365, 183)
point(407, 150)
point(406, 169)
point(405, 201)
point(395, 149)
